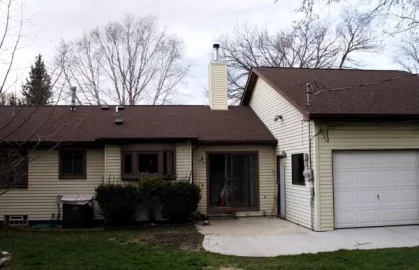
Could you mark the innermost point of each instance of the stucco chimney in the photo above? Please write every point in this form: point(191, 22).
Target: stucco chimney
point(218, 82)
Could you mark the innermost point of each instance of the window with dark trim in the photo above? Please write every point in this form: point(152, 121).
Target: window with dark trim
point(138, 164)
point(298, 169)
point(72, 164)
point(13, 170)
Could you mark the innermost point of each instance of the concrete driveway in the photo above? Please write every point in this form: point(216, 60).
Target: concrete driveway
point(268, 237)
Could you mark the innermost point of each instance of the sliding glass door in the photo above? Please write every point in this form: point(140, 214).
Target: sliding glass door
point(233, 181)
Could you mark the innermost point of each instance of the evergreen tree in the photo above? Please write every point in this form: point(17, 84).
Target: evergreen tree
point(37, 89)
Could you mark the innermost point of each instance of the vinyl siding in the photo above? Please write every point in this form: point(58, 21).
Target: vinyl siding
point(113, 169)
point(292, 134)
point(218, 85)
point(39, 201)
point(267, 180)
point(183, 161)
point(356, 136)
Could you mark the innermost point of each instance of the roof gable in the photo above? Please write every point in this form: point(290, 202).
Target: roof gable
point(377, 94)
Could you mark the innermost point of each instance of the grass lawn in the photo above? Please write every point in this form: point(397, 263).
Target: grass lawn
point(172, 248)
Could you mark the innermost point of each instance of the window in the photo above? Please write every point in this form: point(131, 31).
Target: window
point(148, 163)
point(72, 164)
point(297, 169)
point(145, 164)
point(13, 170)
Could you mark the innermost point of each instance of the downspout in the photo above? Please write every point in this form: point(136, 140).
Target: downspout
point(311, 177)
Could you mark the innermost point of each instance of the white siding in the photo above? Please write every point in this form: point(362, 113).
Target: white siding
point(292, 134)
point(112, 163)
point(356, 137)
point(218, 85)
point(183, 161)
point(267, 180)
point(39, 201)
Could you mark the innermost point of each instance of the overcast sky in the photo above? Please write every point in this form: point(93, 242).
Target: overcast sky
point(198, 23)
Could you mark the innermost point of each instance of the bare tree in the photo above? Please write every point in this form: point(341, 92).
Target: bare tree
point(356, 34)
point(407, 54)
point(395, 15)
point(310, 44)
point(20, 132)
point(127, 62)
point(11, 27)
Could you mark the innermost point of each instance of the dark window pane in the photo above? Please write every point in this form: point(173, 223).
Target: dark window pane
point(67, 165)
point(78, 161)
point(168, 163)
point(13, 170)
point(128, 163)
point(297, 161)
point(148, 163)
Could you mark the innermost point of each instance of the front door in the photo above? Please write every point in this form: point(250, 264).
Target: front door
point(233, 181)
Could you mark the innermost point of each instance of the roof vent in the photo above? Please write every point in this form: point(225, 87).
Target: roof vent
point(73, 90)
point(118, 118)
point(104, 107)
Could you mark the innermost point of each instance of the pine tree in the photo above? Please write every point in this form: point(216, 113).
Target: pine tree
point(37, 89)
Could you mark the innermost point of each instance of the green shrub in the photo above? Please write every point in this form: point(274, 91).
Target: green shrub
point(149, 191)
point(179, 200)
point(118, 203)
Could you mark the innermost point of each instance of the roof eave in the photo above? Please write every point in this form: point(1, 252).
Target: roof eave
point(272, 142)
point(354, 117)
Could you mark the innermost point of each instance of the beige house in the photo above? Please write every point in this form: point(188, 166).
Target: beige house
point(322, 148)
point(227, 151)
point(355, 136)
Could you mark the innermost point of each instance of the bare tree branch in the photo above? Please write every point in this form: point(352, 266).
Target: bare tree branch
point(407, 53)
point(310, 44)
point(127, 62)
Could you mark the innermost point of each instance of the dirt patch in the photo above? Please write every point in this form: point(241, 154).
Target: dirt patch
point(185, 239)
point(223, 268)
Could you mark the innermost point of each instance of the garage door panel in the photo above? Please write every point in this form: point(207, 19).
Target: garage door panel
point(410, 214)
point(376, 188)
point(365, 178)
point(409, 195)
point(366, 197)
point(346, 198)
point(346, 217)
point(386, 177)
point(347, 178)
point(388, 196)
point(385, 160)
point(389, 215)
point(407, 158)
point(363, 160)
point(367, 216)
point(407, 177)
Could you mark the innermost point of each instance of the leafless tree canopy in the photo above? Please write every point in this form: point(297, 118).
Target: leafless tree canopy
point(11, 26)
point(407, 54)
point(15, 151)
point(396, 15)
point(127, 62)
point(310, 44)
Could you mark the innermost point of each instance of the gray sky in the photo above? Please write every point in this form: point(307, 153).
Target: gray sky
point(198, 23)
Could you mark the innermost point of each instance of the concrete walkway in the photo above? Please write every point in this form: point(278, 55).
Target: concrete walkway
point(268, 237)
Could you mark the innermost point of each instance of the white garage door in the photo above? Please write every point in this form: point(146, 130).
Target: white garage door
point(376, 188)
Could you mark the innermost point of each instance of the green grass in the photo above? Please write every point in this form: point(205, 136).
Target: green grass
point(165, 249)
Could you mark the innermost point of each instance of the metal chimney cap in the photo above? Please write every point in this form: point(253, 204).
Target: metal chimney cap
point(73, 88)
point(215, 46)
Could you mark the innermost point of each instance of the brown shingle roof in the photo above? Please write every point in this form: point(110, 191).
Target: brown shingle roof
point(90, 123)
point(394, 99)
